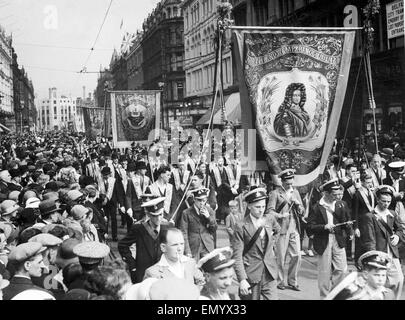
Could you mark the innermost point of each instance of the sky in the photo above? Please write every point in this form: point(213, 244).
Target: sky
point(52, 38)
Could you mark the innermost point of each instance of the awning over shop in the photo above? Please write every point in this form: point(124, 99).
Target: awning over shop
point(232, 109)
point(4, 128)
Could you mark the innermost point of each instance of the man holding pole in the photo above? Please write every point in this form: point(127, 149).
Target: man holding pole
point(286, 206)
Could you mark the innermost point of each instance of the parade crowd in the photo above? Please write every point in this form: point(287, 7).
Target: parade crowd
point(63, 198)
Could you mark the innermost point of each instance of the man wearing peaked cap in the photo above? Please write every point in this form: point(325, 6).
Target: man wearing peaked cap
point(218, 270)
point(374, 265)
point(255, 242)
point(330, 240)
point(199, 226)
point(137, 184)
point(256, 194)
point(381, 231)
point(145, 236)
point(28, 262)
point(285, 205)
point(112, 188)
point(395, 179)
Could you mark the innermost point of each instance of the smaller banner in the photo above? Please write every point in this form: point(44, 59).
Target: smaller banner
point(135, 114)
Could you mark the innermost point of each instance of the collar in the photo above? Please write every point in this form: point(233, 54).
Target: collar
point(291, 189)
point(326, 205)
point(148, 223)
point(386, 212)
point(22, 276)
point(164, 263)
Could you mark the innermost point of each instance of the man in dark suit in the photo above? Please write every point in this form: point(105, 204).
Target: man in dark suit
point(111, 187)
point(146, 238)
point(198, 225)
point(28, 262)
point(329, 240)
point(380, 231)
point(363, 202)
point(136, 187)
point(253, 245)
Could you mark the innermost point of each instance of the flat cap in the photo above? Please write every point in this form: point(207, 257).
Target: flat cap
point(8, 207)
point(46, 239)
point(91, 252)
point(32, 203)
point(286, 174)
point(25, 251)
point(74, 195)
point(79, 211)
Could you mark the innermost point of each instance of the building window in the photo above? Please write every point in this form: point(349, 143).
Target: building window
point(180, 91)
point(54, 110)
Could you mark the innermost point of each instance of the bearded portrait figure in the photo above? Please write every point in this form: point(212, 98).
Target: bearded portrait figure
point(292, 120)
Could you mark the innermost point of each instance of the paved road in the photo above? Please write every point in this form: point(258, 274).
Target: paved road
point(308, 274)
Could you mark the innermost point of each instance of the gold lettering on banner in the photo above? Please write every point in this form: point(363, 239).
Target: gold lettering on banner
point(333, 60)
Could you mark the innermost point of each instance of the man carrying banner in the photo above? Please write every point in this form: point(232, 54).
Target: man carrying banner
point(286, 206)
point(253, 245)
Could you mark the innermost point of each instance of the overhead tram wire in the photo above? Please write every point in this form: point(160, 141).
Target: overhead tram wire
point(57, 47)
point(94, 44)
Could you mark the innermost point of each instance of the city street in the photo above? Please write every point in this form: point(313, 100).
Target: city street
point(308, 274)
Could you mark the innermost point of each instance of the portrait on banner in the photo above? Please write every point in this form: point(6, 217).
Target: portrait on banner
point(292, 81)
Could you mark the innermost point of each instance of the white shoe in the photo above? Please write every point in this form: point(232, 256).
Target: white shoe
point(310, 253)
point(302, 252)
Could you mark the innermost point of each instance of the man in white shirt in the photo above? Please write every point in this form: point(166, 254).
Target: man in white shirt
point(173, 262)
point(286, 206)
point(329, 239)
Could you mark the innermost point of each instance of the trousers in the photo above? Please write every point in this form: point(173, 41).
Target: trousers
point(335, 257)
point(110, 210)
point(395, 278)
point(289, 245)
point(266, 289)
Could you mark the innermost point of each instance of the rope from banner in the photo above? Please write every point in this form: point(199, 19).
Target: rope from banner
point(350, 111)
point(217, 88)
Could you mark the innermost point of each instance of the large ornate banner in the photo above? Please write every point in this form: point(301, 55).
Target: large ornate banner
point(135, 114)
point(294, 80)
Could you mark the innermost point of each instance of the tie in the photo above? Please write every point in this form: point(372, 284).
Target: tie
point(142, 183)
point(106, 185)
point(369, 196)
